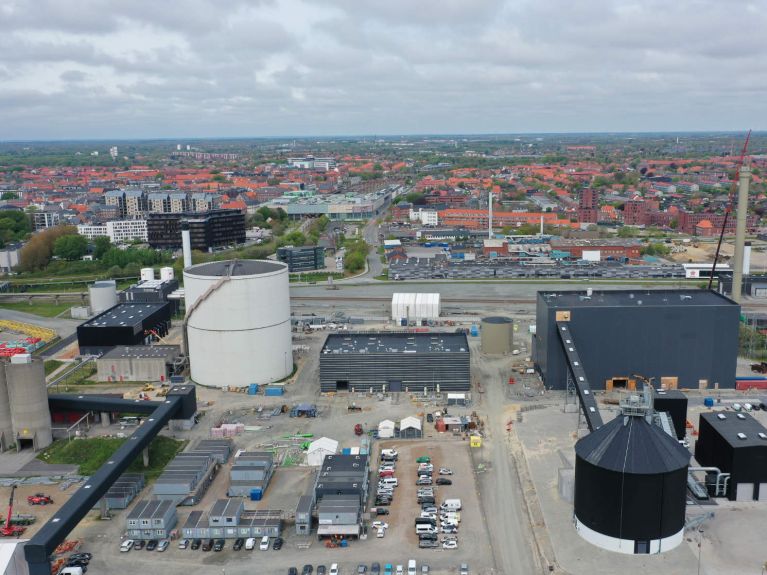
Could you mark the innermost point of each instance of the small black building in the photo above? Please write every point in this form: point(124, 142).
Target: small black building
point(124, 324)
point(682, 338)
point(302, 259)
point(214, 228)
point(674, 402)
point(399, 361)
point(736, 443)
point(152, 291)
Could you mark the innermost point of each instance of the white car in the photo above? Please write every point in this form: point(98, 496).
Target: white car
point(163, 545)
point(264, 545)
point(334, 569)
point(250, 543)
point(445, 471)
point(126, 545)
point(380, 525)
point(183, 544)
point(450, 544)
point(400, 570)
point(380, 533)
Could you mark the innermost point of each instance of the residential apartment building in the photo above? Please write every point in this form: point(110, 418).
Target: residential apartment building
point(130, 203)
point(688, 222)
point(44, 220)
point(118, 232)
point(635, 213)
point(477, 219)
point(426, 217)
point(588, 206)
point(203, 202)
point(208, 230)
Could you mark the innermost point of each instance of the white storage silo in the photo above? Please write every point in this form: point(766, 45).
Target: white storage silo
point(6, 423)
point(238, 322)
point(147, 274)
point(103, 295)
point(166, 273)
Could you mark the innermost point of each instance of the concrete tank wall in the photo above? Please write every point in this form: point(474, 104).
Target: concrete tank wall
point(497, 335)
point(103, 295)
point(29, 402)
point(6, 422)
point(240, 332)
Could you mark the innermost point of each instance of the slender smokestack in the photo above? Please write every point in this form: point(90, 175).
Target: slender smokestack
point(186, 244)
point(541, 224)
point(490, 215)
point(747, 259)
point(740, 231)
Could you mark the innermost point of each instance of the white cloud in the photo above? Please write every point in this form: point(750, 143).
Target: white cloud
point(103, 68)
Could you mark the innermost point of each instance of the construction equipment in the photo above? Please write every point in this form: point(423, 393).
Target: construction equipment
point(39, 499)
point(148, 387)
point(10, 530)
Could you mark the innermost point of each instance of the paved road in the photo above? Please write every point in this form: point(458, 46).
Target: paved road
point(502, 495)
point(63, 327)
point(370, 234)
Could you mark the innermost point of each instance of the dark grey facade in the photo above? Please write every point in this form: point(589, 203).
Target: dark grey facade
point(207, 230)
point(690, 335)
point(124, 324)
point(302, 259)
point(737, 444)
point(395, 362)
point(673, 402)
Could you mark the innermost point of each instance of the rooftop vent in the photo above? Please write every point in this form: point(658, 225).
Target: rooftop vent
point(721, 416)
point(742, 436)
point(740, 416)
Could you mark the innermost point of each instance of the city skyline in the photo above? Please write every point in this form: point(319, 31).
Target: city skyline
point(298, 68)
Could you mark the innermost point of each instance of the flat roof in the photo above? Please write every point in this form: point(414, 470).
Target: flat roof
point(397, 342)
point(632, 297)
point(226, 507)
point(729, 424)
point(143, 351)
point(236, 268)
point(124, 314)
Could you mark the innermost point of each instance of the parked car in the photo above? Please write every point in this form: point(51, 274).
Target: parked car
point(428, 544)
point(77, 563)
point(427, 537)
point(380, 533)
point(183, 544)
point(400, 570)
point(126, 545)
point(388, 570)
point(321, 570)
point(219, 545)
point(445, 471)
point(375, 569)
point(443, 481)
point(163, 545)
point(423, 459)
point(292, 571)
point(195, 544)
point(238, 544)
point(428, 508)
point(151, 545)
point(139, 544)
point(334, 569)
point(207, 545)
point(381, 511)
point(307, 570)
point(423, 481)
point(277, 545)
point(450, 544)
point(464, 569)
point(362, 569)
point(429, 418)
point(425, 569)
point(82, 556)
point(379, 524)
point(250, 543)
point(264, 545)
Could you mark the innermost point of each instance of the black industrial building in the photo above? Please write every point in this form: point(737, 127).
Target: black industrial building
point(754, 285)
point(678, 338)
point(124, 324)
point(207, 230)
point(737, 444)
point(673, 402)
point(630, 487)
point(343, 475)
point(302, 259)
point(152, 291)
point(395, 362)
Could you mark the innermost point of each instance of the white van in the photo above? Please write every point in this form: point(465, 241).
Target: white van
point(388, 481)
point(250, 543)
point(421, 528)
point(451, 505)
point(411, 567)
point(264, 545)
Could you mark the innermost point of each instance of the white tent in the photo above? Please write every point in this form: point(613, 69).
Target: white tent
point(319, 448)
point(410, 428)
point(386, 429)
point(415, 306)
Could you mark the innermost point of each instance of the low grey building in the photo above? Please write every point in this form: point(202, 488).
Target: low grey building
point(228, 519)
point(186, 478)
point(122, 492)
point(221, 449)
point(140, 363)
point(398, 361)
point(339, 515)
point(304, 515)
point(251, 471)
point(151, 519)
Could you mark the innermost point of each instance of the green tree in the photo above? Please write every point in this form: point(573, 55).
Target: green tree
point(627, 232)
point(101, 245)
point(9, 196)
point(70, 247)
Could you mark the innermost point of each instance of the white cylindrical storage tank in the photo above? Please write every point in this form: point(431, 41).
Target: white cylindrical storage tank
point(147, 274)
point(28, 397)
point(6, 422)
point(497, 335)
point(103, 295)
point(166, 273)
point(238, 322)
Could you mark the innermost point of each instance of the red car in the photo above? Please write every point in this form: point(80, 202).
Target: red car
point(39, 499)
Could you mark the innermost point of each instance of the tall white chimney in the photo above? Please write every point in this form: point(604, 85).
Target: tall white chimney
point(186, 244)
point(490, 215)
point(541, 224)
point(740, 232)
point(747, 259)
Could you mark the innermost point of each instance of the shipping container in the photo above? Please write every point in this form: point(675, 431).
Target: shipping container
point(253, 389)
point(274, 391)
point(256, 494)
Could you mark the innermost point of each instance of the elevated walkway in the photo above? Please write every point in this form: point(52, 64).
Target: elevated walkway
point(588, 402)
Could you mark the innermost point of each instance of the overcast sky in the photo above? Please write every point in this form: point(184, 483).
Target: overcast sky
point(207, 68)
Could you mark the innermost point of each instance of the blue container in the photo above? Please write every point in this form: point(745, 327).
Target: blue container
point(474, 331)
point(274, 391)
point(256, 494)
point(708, 402)
point(253, 389)
point(403, 322)
point(346, 451)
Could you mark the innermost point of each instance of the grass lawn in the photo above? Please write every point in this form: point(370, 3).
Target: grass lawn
point(52, 365)
point(80, 377)
point(92, 453)
point(44, 309)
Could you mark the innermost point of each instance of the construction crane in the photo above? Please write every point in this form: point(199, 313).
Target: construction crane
point(9, 530)
point(728, 209)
